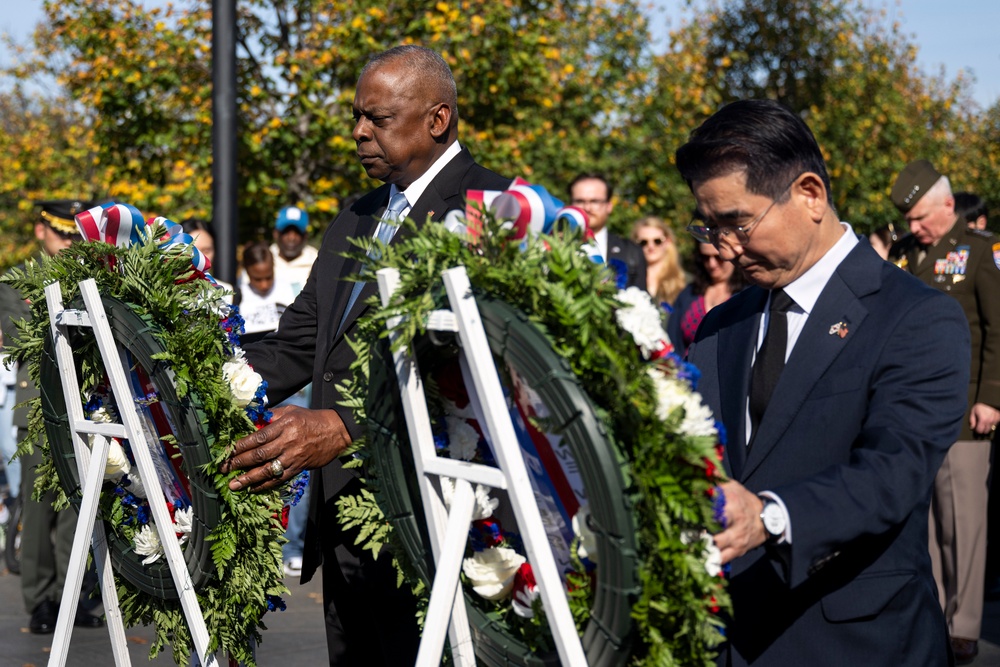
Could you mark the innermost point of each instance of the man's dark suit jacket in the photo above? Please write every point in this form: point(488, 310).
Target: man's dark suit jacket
point(851, 442)
point(623, 250)
point(307, 347)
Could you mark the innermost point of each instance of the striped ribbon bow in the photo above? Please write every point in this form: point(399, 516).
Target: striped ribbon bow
point(121, 225)
point(117, 224)
point(529, 208)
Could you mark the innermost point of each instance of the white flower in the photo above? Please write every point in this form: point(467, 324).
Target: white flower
point(588, 540)
point(640, 317)
point(136, 487)
point(710, 553)
point(713, 558)
point(670, 393)
point(243, 380)
point(484, 504)
point(462, 438)
point(451, 409)
point(525, 592)
point(117, 464)
point(104, 415)
point(147, 543)
point(182, 522)
point(491, 572)
point(698, 418)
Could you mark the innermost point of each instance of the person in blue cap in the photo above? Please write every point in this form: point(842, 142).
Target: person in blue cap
point(293, 256)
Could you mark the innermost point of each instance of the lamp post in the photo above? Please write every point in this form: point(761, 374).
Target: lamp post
point(224, 181)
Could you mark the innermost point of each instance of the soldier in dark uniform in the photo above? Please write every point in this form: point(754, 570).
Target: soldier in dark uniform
point(47, 535)
point(965, 263)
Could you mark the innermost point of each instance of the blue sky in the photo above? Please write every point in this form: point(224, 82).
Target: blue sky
point(955, 35)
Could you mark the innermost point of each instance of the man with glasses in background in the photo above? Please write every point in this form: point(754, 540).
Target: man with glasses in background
point(965, 263)
point(839, 380)
point(592, 193)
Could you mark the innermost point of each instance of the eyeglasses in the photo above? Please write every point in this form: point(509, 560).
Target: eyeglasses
point(741, 233)
point(588, 202)
point(657, 241)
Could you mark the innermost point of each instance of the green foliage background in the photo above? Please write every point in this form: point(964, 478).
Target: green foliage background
point(110, 99)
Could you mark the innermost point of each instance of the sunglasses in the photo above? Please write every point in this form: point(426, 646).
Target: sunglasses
point(644, 242)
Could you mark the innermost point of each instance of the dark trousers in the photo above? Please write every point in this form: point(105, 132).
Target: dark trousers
point(46, 541)
point(370, 622)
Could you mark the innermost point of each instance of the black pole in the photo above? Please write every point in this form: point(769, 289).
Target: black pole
point(224, 182)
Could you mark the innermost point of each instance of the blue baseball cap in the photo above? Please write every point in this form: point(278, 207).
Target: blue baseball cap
point(292, 216)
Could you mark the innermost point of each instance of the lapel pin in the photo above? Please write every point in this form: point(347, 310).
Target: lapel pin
point(839, 329)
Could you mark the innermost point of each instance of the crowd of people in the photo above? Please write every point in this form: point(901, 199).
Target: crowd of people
point(859, 435)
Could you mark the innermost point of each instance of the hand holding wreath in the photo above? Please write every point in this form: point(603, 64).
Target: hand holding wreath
point(298, 438)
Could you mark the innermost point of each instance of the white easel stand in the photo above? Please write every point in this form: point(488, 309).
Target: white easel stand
point(449, 531)
point(91, 465)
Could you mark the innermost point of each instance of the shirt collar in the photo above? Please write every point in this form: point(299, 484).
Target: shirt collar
point(805, 289)
point(418, 186)
point(601, 239)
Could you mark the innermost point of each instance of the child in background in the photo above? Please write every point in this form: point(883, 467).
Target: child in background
point(261, 300)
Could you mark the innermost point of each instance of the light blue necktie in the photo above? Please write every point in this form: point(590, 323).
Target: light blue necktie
point(386, 229)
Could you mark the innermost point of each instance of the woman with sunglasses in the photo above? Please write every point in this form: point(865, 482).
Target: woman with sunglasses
point(664, 276)
point(715, 280)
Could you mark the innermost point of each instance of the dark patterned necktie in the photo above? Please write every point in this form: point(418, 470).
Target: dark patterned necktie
point(770, 359)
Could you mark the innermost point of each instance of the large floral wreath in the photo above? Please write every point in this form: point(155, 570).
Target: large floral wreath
point(155, 271)
point(643, 393)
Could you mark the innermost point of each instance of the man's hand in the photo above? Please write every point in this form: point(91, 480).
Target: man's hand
point(300, 439)
point(983, 419)
point(744, 529)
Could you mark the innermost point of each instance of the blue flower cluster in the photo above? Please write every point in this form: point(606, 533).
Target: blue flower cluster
point(275, 603)
point(257, 409)
point(621, 272)
point(440, 430)
point(719, 506)
point(233, 326)
point(148, 399)
point(94, 404)
point(297, 488)
point(139, 506)
point(685, 371)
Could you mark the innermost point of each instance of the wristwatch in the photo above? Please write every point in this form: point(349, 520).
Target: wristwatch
point(773, 518)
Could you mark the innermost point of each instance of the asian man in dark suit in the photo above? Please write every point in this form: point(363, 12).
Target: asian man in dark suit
point(841, 381)
point(406, 131)
point(593, 194)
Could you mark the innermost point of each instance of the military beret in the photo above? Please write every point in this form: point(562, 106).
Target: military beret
point(913, 183)
point(59, 213)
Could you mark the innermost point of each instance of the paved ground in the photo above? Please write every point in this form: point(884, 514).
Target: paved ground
point(294, 636)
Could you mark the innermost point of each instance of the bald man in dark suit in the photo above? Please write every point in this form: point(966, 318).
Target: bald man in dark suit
point(406, 131)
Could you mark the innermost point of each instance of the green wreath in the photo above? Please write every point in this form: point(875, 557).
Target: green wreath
point(170, 319)
point(670, 470)
point(139, 338)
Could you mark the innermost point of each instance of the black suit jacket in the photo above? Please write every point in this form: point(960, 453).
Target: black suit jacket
point(851, 442)
point(307, 346)
point(620, 248)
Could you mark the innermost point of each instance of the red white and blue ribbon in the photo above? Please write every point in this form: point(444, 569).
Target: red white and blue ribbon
point(176, 236)
point(530, 209)
point(117, 224)
point(121, 225)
